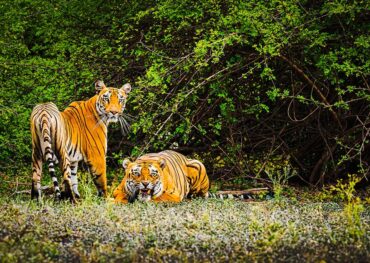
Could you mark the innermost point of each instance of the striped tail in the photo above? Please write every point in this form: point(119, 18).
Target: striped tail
point(49, 155)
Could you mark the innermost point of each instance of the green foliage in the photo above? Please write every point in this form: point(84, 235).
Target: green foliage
point(279, 178)
point(232, 78)
point(353, 205)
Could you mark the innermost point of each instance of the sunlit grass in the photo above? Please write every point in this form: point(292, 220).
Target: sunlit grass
point(298, 228)
point(196, 230)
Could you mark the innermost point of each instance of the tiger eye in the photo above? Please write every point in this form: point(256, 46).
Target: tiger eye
point(136, 171)
point(105, 98)
point(121, 99)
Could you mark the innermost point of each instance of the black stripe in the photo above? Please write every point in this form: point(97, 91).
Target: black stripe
point(93, 138)
point(180, 175)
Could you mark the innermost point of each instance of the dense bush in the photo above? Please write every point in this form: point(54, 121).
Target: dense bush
point(240, 83)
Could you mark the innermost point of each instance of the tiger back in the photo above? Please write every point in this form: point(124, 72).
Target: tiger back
point(79, 133)
point(166, 176)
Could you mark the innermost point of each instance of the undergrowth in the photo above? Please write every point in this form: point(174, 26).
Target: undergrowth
point(97, 230)
point(331, 225)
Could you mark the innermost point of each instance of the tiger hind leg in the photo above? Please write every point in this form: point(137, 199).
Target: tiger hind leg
point(65, 167)
point(74, 180)
point(36, 177)
point(198, 178)
point(67, 192)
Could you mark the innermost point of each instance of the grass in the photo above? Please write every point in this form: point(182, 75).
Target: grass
point(301, 227)
point(198, 230)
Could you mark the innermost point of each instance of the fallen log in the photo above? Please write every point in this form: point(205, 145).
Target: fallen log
point(246, 195)
point(253, 191)
point(45, 190)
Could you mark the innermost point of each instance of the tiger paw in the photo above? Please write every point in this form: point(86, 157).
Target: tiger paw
point(102, 193)
point(58, 196)
point(76, 194)
point(67, 193)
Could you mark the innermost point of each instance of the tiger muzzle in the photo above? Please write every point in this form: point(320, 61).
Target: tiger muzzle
point(145, 192)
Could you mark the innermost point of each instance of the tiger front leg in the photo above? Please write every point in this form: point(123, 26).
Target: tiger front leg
point(119, 192)
point(98, 171)
point(173, 197)
point(120, 196)
point(74, 180)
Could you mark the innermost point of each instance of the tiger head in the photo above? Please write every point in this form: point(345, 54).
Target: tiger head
point(144, 179)
point(111, 101)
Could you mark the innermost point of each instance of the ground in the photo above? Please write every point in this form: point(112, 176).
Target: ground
point(199, 230)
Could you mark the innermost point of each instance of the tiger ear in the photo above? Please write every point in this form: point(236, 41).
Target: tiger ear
point(125, 163)
point(162, 163)
point(99, 85)
point(126, 88)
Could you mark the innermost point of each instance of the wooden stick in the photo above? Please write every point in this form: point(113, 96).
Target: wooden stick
point(242, 192)
point(314, 86)
point(45, 189)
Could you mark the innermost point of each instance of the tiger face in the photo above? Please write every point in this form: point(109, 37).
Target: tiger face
point(144, 179)
point(111, 101)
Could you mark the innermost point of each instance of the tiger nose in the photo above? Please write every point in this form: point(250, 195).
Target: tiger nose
point(114, 112)
point(145, 184)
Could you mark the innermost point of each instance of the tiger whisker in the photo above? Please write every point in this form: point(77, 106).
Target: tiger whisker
point(129, 116)
point(125, 126)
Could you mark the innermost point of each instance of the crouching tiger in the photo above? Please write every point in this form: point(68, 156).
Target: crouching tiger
point(78, 133)
point(166, 176)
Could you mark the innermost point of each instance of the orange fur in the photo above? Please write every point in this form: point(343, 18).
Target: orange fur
point(170, 177)
point(78, 133)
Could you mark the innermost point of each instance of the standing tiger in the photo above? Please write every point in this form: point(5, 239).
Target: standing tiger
point(78, 133)
point(166, 176)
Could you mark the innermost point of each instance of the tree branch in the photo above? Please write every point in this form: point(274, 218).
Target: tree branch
point(314, 86)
